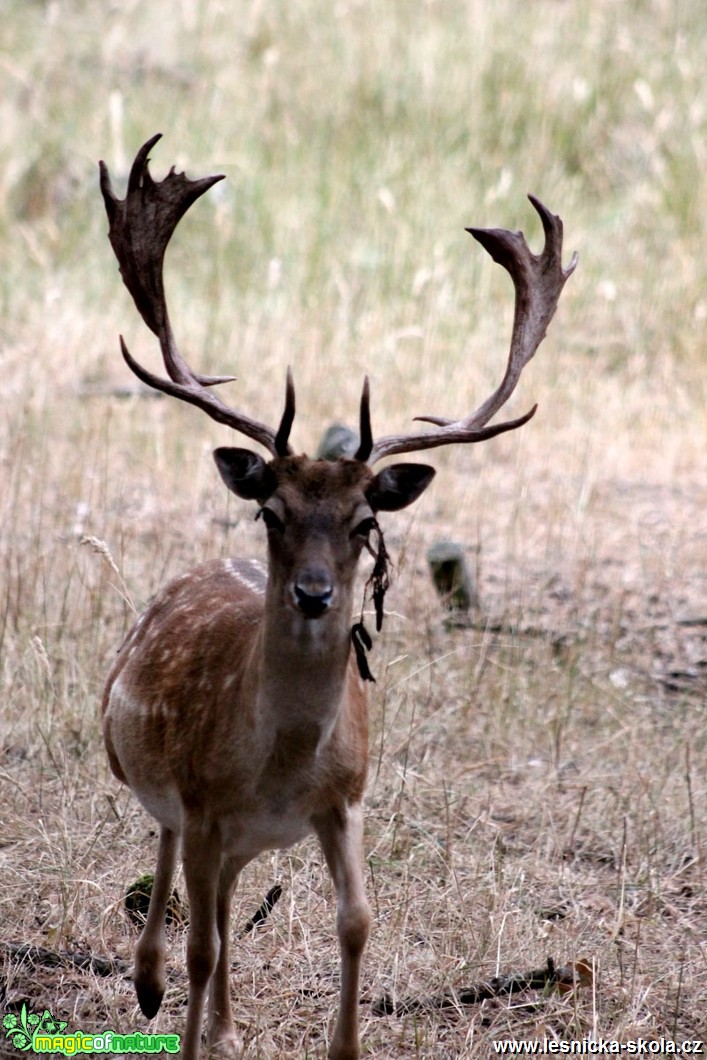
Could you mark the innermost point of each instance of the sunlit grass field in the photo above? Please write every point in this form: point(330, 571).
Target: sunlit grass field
point(537, 778)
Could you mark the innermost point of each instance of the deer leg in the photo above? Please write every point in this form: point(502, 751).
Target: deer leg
point(341, 836)
point(222, 1036)
point(202, 858)
point(149, 973)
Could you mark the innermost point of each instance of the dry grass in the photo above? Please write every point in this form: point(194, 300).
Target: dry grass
point(537, 784)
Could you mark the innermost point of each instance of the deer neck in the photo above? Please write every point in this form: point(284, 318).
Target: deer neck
point(303, 666)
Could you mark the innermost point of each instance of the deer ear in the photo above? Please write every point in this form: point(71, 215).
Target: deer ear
point(397, 486)
point(245, 473)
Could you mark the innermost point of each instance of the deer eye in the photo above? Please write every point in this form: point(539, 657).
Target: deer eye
point(272, 521)
point(364, 528)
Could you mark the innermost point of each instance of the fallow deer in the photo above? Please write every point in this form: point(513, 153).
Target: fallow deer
point(236, 709)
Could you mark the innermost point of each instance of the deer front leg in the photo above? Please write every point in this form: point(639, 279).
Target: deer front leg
point(222, 1037)
point(202, 857)
point(340, 833)
point(149, 976)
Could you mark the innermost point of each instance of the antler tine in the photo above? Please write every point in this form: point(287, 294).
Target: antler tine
point(282, 447)
point(141, 226)
point(365, 435)
point(538, 280)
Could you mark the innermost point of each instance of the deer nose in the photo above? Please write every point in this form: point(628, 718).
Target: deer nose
point(313, 592)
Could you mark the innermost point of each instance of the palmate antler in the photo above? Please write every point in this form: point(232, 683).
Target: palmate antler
point(142, 224)
point(538, 281)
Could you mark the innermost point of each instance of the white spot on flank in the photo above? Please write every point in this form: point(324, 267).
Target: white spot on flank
point(235, 569)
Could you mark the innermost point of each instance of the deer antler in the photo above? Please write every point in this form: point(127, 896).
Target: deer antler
point(538, 281)
point(141, 226)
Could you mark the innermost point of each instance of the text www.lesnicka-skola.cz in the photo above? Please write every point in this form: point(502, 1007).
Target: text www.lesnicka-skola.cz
point(599, 1047)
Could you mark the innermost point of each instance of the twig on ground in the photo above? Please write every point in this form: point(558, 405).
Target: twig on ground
point(85, 962)
point(565, 978)
point(263, 911)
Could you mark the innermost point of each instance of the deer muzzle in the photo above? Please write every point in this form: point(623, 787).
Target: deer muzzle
point(313, 592)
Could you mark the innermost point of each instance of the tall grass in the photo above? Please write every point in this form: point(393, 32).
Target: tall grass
point(537, 782)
